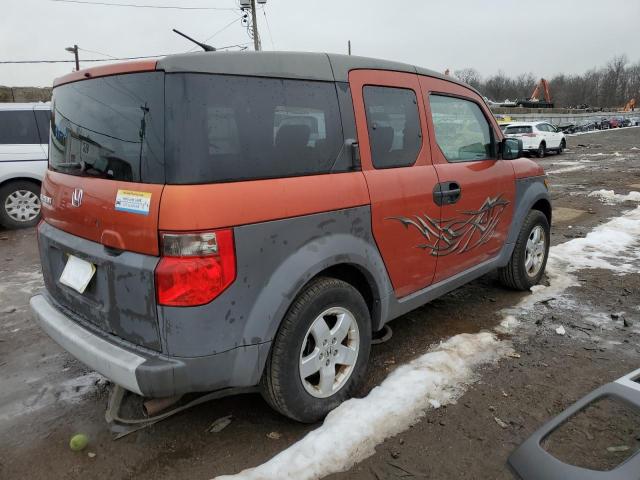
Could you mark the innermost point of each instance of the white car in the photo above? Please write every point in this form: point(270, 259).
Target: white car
point(537, 138)
point(24, 148)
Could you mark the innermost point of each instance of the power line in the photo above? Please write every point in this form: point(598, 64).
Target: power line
point(96, 52)
point(264, 12)
point(218, 31)
point(137, 5)
point(9, 62)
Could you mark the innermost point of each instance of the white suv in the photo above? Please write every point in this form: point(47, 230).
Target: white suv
point(24, 148)
point(537, 137)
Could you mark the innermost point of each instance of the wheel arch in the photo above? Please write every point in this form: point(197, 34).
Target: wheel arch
point(543, 205)
point(531, 194)
point(22, 178)
point(360, 279)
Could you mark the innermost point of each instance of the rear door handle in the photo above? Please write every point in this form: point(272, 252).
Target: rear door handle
point(447, 193)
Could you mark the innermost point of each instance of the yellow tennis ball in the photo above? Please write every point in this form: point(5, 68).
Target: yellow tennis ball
point(78, 442)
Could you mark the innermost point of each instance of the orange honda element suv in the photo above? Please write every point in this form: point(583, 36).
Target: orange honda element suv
point(217, 220)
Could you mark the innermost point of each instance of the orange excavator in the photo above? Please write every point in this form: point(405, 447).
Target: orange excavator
point(534, 100)
point(630, 106)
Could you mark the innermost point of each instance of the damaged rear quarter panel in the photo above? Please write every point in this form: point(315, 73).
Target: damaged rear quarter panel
point(275, 260)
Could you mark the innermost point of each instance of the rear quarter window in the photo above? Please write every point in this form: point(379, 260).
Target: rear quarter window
point(18, 127)
point(224, 128)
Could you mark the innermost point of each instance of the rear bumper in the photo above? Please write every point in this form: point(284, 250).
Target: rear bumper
point(147, 373)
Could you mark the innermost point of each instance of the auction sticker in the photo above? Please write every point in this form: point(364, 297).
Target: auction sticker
point(133, 202)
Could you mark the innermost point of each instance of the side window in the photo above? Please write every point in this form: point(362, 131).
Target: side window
point(393, 123)
point(236, 128)
point(542, 127)
point(43, 119)
point(462, 131)
point(18, 126)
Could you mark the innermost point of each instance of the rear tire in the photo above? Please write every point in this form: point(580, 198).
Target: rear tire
point(542, 150)
point(529, 256)
point(19, 204)
point(305, 347)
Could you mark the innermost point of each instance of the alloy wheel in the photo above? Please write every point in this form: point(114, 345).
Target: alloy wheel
point(535, 251)
point(329, 352)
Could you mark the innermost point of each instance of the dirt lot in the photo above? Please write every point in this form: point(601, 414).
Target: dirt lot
point(46, 396)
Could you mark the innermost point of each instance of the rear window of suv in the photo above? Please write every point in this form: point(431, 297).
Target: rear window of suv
point(110, 127)
point(517, 130)
point(223, 128)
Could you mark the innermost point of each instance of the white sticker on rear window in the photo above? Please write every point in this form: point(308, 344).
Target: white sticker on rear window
point(133, 202)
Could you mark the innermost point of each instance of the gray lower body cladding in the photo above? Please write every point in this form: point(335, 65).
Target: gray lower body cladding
point(222, 344)
point(120, 300)
point(274, 261)
point(145, 371)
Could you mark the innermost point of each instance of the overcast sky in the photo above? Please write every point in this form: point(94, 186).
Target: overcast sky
point(541, 36)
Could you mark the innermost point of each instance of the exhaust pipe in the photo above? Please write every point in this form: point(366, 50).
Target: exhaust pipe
point(154, 406)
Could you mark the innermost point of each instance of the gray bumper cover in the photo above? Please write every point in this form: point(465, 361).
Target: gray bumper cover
point(145, 373)
point(115, 363)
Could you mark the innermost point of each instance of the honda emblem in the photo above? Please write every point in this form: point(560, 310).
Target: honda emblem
point(76, 197)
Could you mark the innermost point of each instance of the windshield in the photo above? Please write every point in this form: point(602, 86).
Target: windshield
point(110, 127)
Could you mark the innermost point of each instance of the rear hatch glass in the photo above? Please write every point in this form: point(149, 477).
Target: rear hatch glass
point(517, 130)
point(110, 128)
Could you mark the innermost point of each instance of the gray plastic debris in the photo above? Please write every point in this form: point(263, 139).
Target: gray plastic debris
point(220, 424)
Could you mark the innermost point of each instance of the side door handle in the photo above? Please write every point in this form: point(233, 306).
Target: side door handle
point(447, 193)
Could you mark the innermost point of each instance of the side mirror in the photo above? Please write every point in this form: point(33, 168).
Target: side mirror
point(511, 148)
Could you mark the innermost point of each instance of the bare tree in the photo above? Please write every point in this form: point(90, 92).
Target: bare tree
point(611, 86)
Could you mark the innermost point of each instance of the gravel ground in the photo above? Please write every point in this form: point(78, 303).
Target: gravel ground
point(46, 396)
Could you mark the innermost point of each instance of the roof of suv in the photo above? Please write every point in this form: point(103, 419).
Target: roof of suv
point(296, 65)
point(25, 106)
point(525, 124)
point(307, 65)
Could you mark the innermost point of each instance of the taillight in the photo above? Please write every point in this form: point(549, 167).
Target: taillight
point(195, 267)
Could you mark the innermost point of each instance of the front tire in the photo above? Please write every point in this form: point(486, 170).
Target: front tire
point(562, 146)
point(530, 253)
point(19, 204)
point(320, 354)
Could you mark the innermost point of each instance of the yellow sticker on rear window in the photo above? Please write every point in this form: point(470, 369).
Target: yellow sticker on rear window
point(133, 202)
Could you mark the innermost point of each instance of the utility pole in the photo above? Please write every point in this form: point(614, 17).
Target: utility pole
point(254, 24)
point(349, 47)
point(74, 50)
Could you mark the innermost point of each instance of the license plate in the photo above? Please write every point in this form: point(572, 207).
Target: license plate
point(77, 273)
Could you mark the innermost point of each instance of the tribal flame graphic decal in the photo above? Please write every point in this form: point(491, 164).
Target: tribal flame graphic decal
point(460, 235)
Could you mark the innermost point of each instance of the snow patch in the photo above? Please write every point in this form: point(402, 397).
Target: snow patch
point(566, 169)
point(610, 197)
point(608, 246)
point(351, 432)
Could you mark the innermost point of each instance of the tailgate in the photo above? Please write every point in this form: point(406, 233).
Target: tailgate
point(120, 215)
